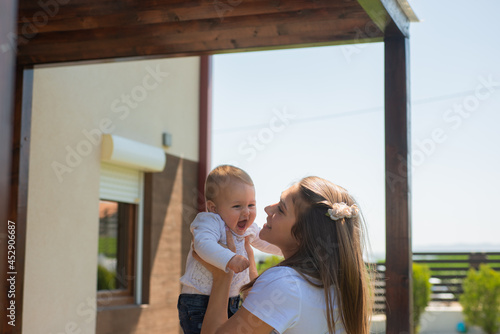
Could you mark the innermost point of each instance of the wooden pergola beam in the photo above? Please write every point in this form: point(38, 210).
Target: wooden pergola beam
point(205, 128)
point(8, 15)
point(111, 29)
point(399, 308)
point(18, 203)
point(8, 11)
point(95, 14)
point(81, 30)
point(390, 16)
point(394, 20)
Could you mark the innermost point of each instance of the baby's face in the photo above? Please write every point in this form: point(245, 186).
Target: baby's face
point(236, 206)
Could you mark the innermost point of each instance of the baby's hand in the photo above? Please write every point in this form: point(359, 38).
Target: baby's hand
point(238, 263)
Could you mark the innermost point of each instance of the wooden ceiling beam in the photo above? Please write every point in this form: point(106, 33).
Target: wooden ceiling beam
point(389, 16)
point(275, 26)
point(93, 14)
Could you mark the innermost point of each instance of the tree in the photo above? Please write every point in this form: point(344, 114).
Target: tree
point(481, 299)
point(269, 262)
point(421, 292)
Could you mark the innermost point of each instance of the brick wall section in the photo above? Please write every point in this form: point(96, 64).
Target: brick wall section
point(169, 209)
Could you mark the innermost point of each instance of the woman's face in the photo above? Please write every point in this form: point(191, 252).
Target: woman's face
point(280, 219)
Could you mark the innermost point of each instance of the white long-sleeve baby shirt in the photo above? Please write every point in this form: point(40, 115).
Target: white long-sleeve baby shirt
point(209, 230)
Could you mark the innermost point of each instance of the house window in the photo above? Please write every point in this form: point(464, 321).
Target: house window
point(116, 253)
point(120, 231)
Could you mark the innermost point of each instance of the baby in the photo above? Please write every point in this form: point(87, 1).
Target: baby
point(230, 199)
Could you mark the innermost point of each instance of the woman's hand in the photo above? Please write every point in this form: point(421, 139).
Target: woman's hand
point(253, 266)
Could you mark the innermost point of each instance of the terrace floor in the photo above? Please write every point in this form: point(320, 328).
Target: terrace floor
point(438, 318)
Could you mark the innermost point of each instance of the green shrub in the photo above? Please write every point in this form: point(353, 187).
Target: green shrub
point(481, 299)
point(105, 279)
point(108, 246)
point(421, 292)
point(268, 262)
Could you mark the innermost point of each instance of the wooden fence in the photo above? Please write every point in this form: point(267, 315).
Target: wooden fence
point(448, 271)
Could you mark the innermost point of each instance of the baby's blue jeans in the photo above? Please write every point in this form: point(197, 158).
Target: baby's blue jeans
point(192, 310)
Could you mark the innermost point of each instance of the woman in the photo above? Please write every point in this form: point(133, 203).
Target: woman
point(321, 286)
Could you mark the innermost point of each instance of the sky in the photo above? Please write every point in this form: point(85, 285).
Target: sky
point(283, 115)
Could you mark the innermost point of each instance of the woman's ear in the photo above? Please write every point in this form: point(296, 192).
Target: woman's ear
point(211, 207)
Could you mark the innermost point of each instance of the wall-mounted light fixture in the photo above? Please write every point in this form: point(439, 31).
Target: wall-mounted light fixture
point(166, 139)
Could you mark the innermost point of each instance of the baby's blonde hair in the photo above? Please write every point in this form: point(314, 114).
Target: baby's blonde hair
point(222, 176)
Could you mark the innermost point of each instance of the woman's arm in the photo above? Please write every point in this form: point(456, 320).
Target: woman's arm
point(216, 313)
point(241, 322)
point(215, 320)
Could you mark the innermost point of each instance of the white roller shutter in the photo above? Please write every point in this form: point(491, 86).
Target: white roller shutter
point(120, 184)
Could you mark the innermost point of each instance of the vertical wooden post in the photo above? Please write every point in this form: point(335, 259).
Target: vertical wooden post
point(476, 259)
point(8, 46)
point(18, 203)
point(398, 186)
point(8, 19)
point(205, 141)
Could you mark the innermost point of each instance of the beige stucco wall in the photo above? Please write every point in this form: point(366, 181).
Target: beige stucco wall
point(71, 105)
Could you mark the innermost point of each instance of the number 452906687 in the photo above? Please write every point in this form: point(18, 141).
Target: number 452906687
point(11, 245)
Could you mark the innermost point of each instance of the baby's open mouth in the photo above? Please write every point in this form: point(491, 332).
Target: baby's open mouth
point(242, 224)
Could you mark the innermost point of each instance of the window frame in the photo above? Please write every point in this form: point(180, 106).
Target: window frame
point(128, 213)
point(137, 295)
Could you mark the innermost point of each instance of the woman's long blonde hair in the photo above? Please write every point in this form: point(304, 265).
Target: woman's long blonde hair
point(331, 252)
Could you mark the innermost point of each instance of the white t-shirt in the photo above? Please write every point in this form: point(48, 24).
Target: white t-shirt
point(209, 231)
point(287, 302)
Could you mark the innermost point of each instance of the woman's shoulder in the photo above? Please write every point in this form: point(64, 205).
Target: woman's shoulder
point(285, 273)
point(280, 272)
point(277, 285)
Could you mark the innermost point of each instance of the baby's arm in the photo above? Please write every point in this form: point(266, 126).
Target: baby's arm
point(262, 245)
point(206, 234)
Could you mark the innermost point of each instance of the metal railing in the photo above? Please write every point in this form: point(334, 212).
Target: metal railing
point(448, 270)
